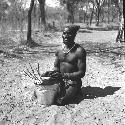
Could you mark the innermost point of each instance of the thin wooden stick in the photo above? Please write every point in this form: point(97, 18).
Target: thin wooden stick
point(33, 71)
point(28, 75)
point(38, 71)
point(31, 68)
point(31, 74)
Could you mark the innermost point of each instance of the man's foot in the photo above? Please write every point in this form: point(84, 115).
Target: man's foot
point(59, 102)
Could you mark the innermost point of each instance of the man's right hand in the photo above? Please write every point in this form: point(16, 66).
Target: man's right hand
point(53, 75)
point(47, 74)
point(56, 75)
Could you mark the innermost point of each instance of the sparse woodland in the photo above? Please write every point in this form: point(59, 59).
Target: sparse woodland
point(18, 16)
point(29, 37)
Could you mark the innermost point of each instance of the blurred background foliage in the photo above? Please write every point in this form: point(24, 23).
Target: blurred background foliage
point(14, 14)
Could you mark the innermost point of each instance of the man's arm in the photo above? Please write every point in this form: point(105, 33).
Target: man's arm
point(55, 69)
point(56, 63)
point(81, 66)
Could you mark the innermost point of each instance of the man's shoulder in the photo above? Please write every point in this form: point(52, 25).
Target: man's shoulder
point(59, 50)
point(80, 49)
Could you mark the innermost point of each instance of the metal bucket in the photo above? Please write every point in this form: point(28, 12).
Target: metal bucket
point(46, 93)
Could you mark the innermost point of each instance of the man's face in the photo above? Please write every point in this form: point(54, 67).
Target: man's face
point(68, 36)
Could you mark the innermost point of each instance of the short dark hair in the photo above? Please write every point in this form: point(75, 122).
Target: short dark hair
point(73, 28)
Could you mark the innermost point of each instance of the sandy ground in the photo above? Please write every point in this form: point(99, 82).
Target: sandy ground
point(103, 99)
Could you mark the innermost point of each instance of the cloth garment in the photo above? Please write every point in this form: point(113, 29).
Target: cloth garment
point(69, 90)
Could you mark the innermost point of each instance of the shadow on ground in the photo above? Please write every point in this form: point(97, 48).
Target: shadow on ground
point(84, 31)
point(95, 92)
point(103, 50)
point(101, 28)
point(108, 28)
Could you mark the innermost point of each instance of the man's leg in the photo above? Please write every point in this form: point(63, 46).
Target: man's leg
point(121, 34)
point(71, 93)
point(118, 36)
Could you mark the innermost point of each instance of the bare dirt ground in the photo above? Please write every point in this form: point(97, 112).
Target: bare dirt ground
point(103, 99)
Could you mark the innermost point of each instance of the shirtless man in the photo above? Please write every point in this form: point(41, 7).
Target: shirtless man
point(70, 63)
point(120, 36)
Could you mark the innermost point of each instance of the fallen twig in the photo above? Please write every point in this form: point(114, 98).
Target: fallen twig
point(38, 71)
point(28, 75)
point(34, 72)
point(31, 74)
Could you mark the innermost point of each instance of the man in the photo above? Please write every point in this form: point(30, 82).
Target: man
point(70, 65)
point(120, 35)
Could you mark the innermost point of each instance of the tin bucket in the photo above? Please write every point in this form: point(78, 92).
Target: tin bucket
point(46, 94)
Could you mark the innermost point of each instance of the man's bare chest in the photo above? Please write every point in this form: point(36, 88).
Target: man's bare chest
point(68, 57)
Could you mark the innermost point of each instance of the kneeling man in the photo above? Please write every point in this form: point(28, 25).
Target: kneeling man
point(70, 65)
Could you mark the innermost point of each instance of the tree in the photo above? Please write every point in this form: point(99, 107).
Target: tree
point(30, 42)
point(4, 6)
point(119, 5)
point(87, 7)
point(12, 14)
point(71, 6)
point(92, 13)
point(98, 5)
point(42, 13)
point(112, 9)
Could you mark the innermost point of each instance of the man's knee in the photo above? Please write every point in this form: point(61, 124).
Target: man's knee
point(69, 96)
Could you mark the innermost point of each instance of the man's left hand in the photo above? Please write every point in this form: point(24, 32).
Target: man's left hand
point(56, 75)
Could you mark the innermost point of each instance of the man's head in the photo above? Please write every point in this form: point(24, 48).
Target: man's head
point(69, 34)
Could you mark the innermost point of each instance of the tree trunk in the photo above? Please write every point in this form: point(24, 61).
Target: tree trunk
point(103, 17)
point(91, 18)
point(117, 5)
point(30, 21)
point(70, 13)
point(108, 11)
point(71, 17)
point(80, 17)
point(98, 16)
point(84, 17)
point(91, 15)
point(30, 42)
point(98, 11)
point(42, 14)
point(112, 19)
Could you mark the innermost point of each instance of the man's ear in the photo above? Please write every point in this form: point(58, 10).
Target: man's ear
point(73, 36)
point(62, 35)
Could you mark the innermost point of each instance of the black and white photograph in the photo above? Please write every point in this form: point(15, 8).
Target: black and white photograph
point(62, 62)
